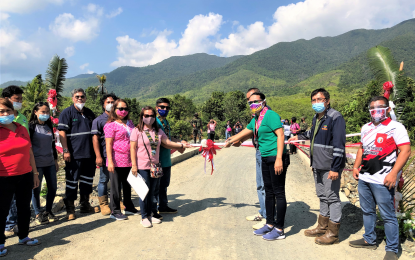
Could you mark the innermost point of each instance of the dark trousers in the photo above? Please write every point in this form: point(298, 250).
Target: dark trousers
point(21, 186)
point(147, 204)
point(164, 184)
point(293, 148)
point(117, 178)
point(275, 189)
point(49, 172)
point(82, 171)
point(196, 133)
point(211, 135)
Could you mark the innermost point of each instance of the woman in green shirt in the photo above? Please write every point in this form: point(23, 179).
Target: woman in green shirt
point(268, 133)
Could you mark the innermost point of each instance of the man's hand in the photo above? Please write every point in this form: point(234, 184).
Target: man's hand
point(333, 175)
point(67, 157)
point(294, 138)
point(35, 181)
point(390, 180)
point(98, 161)
point(356, 173)
point(278, 166)
point(181, 150)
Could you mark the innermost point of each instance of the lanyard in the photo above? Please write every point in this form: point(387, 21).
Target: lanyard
point(166, 127)
point(154, 143)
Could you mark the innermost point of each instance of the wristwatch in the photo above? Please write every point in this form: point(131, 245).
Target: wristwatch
point(65, 150)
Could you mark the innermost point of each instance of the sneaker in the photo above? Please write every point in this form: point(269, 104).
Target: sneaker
point(132, 211)
point(146, 223)
point(51, 217)
point(168, 210)
point(118, 216)
point(361, 243)
point(275, 234)
point(158, 216)
point(256, 217)
point(262, 231)
point(260, 224)
point(155, 220)
point(3, 251)
point(41, 219)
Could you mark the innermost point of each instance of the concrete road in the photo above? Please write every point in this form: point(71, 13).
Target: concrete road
point(210, 223)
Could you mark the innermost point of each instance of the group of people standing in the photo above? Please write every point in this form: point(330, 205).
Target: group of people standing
point(110, 141)
point(293, 129)
point(384, 150)
point(211, 127)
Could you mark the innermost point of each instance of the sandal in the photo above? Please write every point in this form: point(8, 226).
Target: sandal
point(3, 251)
point(29, 242)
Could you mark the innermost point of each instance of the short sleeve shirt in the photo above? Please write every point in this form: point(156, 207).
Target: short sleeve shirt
point(41, 145)
point(143, 160)
point(14, 151)
point(121, 145)
point(165, 155)
point(78, 126)
point(380, 149)
point(21, 119)
point(98, 129)
point(267, 139)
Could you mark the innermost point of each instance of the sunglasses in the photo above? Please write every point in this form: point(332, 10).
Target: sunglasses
point(147, 116)
point(165, 107)
point(78, 97)
point(123, 108)
point(254, 102)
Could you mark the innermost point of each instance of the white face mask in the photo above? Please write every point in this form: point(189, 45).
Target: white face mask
point(17, 105)
point(80, 105)
point(108, 107)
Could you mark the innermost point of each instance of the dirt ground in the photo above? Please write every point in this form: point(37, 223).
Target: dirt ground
point(210, 223)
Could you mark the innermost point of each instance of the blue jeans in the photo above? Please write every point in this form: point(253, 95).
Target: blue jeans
point(146, 205)
point(103, 181)
point(50, 175)
point(12, 217)
point(227, 134)
point(260, 185)
point(371, 194)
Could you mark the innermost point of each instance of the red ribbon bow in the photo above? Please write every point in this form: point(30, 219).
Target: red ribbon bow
point(208, 152)
point(387, 86)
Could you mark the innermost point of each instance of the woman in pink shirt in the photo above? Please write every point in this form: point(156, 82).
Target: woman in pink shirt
point(145, 143)
point(117, 137)
point(211, 126)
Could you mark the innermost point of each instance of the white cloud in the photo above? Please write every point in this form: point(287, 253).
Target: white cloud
point(69, 51)
point(89, 72)
point(194, 39)
point(95, 9)
point(83, 66)
point(114, 13)
point(4, 16)
point(26, 6)
point(312, 18)
point(66, 26)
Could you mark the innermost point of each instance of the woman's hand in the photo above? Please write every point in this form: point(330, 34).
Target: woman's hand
point(35, 181)
point(111, 167)
point(56, 165)
point(134, 171)
point(278, 166)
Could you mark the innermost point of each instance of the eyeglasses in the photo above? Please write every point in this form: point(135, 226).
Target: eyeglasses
point(254, 102)
point(165, 107)
point(147, 116)
point(317, 100)
point(80, 97)
point(123, 108)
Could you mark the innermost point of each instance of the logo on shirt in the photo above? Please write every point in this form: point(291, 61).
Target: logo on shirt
point(324, 127)
point(75, 119)
point(380, 140)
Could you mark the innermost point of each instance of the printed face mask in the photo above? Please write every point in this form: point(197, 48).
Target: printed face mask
point(257, 107)
point(43, 117)
point(163, 113)
point(319, 107)
point(378, 114)
point(5, 120)
point(148, 120)
point(122, 113)
point(80, 105)
point(17, 105)
point(108, 107)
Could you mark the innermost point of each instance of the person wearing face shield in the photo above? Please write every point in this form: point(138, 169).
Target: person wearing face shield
point(98, 140)
point(384, 150)
point(75, 125)
point(327, 158)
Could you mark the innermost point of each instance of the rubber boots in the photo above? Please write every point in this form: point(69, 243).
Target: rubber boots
point(70, 209)
point(331, 236)
point(85, 206)
point(103, 204)
point(321, 228)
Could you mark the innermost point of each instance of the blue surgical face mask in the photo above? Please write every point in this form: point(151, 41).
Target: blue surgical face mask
point(5, 120)
point(17, 105)
point(43, 117)
point(319, 107)
point(163, 113)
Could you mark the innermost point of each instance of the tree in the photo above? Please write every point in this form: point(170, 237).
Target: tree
point(213, 107)
point(34, 92)
point(182, 107)
point(93, 100)
point(235, 107)
point(102, 79)
point(134, 109)
point(55, 74)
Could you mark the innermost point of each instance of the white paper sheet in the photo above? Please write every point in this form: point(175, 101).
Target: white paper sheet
point(138, 184)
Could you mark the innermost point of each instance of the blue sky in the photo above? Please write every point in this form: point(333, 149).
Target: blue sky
point(99, 36)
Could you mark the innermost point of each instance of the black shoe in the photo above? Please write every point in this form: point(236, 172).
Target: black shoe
point(168, 210)
point(361, 243)
point(157, 216)
point(131, 211)
point(390, 256)
point(41, 218)
point(51, 217)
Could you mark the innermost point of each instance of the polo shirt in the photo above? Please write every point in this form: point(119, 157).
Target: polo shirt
point(267, 139)
point(380, 149)
point(98, 129)
point(21, 119)
point(165, 155)
point(14, 151)
point(78, 126)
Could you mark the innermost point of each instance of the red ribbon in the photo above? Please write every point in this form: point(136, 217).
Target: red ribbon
point(387, 86)
point(208, 152)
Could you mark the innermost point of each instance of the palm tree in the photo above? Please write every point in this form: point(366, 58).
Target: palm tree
point(55, 74)
point(102, 79)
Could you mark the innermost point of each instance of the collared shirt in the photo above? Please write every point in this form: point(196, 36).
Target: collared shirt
point(21, 119)
point(98, 129)
point(165, 155)
point(78, 126)
point(380, 149)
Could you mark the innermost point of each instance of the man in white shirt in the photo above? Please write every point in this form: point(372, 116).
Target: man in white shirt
point(383, 153)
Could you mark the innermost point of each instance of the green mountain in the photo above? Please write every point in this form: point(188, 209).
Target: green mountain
point(14, 82)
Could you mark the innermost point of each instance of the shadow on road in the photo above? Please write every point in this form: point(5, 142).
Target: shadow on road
point(299, 217)
point(351, 222)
